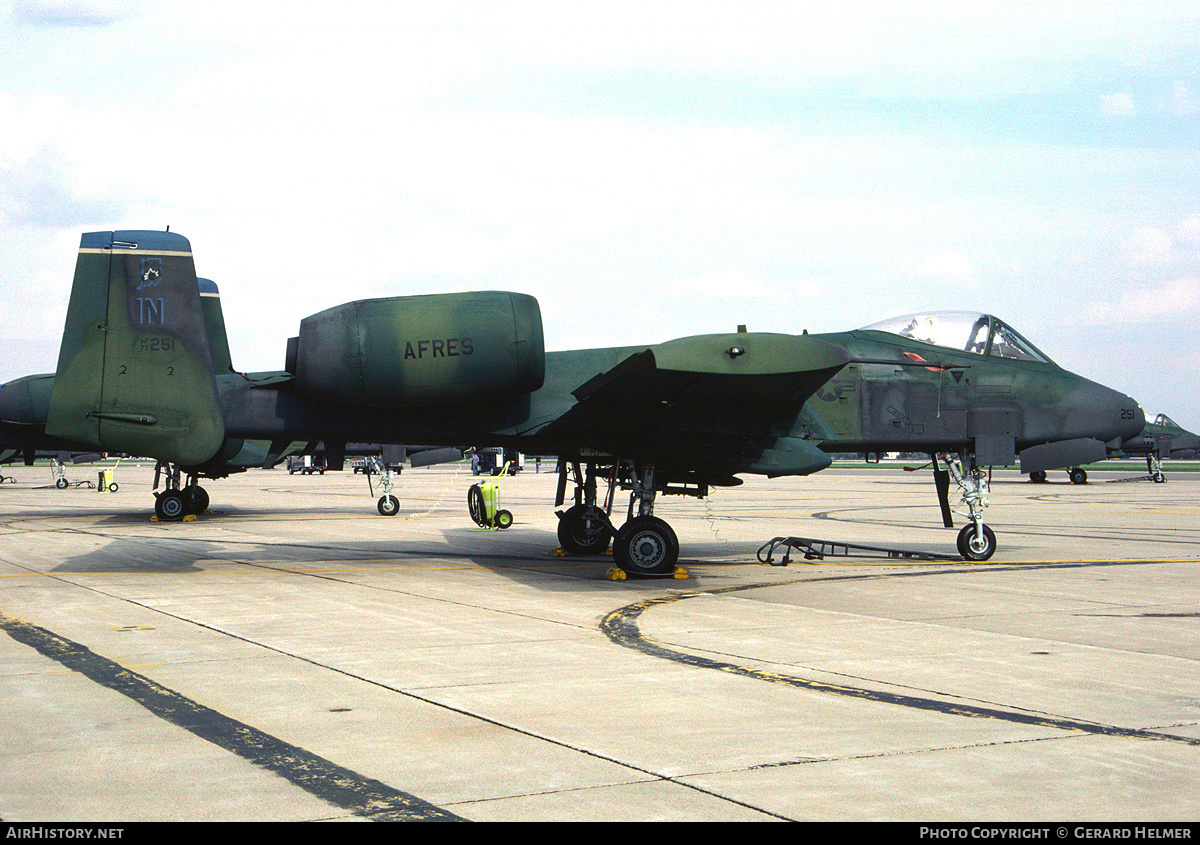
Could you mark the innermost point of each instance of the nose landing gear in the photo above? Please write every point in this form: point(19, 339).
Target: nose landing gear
point(976, 541)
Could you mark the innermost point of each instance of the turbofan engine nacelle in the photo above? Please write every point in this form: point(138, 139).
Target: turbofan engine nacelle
point(421, 351)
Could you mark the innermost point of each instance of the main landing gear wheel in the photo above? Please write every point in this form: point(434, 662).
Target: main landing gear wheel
point(388, 505)
point(195, 498)
point(972, 547)
point(584, 530)
point(646, 545)
point(1038, 477)
point(170, 506)
point(1078, 476)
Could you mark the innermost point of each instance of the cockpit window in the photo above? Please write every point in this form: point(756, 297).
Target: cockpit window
point(981, 334)
point(953, 329)
point(1006, 343)
point(1163, 419)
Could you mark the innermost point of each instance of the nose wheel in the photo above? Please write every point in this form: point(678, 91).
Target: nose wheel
point(976, 541)
point(976, 544)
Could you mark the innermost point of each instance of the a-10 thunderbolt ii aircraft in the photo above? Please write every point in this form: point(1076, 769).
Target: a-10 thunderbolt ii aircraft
point(1160, 440)
point(136, 374)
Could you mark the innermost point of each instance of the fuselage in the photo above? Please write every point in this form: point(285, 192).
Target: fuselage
point(897, 394)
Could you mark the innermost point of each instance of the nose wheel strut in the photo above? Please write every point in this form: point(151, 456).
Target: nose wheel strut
point(976, 541)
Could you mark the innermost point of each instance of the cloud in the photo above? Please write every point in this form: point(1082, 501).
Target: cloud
point(36, 192)
point(732, 284)
point(1148, 304)
point(1189, 231)
point(1183, 101)
point(948, 266)
point(1152, 246)
point(1147, 246)
point(70, 12)
point(1117, 105)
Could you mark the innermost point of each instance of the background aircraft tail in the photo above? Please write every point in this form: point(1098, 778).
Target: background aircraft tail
point(135, 371)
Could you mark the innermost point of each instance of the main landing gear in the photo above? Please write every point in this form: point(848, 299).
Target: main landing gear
point(645, 544)
point(177, 501)
point(1078, 475)
point(388, 505)
point(976, 541)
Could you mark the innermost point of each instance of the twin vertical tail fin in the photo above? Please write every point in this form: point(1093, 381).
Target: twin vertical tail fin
point(214, 324)
point(135, 373)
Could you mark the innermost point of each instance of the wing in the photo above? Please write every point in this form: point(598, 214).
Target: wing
point(719, 403)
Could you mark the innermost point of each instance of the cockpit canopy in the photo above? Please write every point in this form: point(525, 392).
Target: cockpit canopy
point(967, 331)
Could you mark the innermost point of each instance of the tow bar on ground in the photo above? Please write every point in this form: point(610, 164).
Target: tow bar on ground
point(820, 549)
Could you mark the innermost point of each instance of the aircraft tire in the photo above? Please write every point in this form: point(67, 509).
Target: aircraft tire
point(170, 506)
point(61, 484)
point(195, 498)
point(646, 545)
point(388, 505)
point(970, 549)
point(576, 538)
point(1078, 476)
point(1038, 477)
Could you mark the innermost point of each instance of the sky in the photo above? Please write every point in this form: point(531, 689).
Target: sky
point(647, 170)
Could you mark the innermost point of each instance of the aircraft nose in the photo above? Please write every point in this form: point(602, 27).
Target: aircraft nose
point(1122, 414)
point(1137, 420)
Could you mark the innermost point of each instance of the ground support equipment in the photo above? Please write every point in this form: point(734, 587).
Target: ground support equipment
point(820, 549)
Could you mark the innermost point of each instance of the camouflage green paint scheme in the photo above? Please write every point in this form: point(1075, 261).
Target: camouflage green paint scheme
point(134, 371)
point(145, 369)
point(982, 389)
